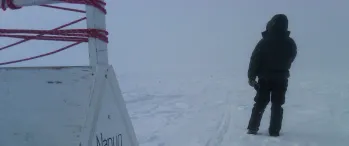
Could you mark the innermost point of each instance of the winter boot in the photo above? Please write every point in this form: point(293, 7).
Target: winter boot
point(254, 132)
point(274, 134)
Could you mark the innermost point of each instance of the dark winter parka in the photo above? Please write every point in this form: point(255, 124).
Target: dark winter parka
point(274, 53)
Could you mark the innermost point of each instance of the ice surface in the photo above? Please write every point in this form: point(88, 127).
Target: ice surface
point(214, 111)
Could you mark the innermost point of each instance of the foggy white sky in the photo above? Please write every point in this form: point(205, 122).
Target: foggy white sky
point(192, 36)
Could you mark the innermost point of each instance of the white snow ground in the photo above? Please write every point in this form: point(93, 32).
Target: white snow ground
point(214, 111)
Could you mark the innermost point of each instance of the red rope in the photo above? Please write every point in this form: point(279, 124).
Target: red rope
point(74, 35)
point(10, 5)
point(60, 27)
point(39, 56)
point(62, 8)
point(78, 34)
point(99, 4)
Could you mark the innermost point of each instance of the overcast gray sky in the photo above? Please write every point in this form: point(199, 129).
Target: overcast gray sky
point(197, 36)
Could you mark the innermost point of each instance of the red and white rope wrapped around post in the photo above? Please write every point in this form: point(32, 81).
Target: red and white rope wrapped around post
point(72, 35)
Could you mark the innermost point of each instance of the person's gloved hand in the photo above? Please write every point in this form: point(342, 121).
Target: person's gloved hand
point(253, 83)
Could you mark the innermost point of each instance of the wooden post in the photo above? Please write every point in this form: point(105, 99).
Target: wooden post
point(98, 52)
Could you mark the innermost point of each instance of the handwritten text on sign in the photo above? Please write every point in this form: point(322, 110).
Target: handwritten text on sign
point(109, 141)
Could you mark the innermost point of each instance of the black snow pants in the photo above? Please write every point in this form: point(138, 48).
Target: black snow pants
point(273, 90)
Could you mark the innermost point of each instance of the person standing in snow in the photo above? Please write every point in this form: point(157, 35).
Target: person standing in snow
point(271, 61)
